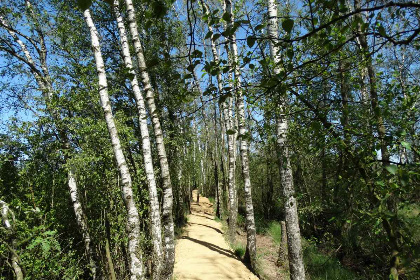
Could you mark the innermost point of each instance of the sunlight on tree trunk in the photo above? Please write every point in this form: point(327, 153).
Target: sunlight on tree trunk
point(133, 220)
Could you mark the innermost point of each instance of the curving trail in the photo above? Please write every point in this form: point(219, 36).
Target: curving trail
point(202, 252)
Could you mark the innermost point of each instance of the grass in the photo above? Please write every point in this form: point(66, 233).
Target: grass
point(321, 266)
point(318, 265)
point(239, 249)
point(274, 230)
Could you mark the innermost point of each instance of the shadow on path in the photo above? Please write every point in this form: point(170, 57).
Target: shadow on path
point(216, 229)
point(203, 216)
point(212, 247)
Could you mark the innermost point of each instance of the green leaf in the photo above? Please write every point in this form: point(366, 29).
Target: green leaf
point(259, 27)
point(191, 67)
point(290, 53)
point(130, 76)
point(382, 31)
point(216, 36)
point(159, 9)
point(287, 25)
point(152, 62)
point(187, 76)
point(230, 131)
point(208, 35)
point(196, 53)
point(84, 4)
point(406, 145)
point(391, 169)
point(250, 41)
point(226, 16)
point(223, 97)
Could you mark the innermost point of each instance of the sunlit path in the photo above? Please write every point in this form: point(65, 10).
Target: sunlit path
point(202, 252)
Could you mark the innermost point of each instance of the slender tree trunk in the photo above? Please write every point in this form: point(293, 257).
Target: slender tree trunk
point(227, 114)
point(133, 219)
point(15, 260)
point(147, 151)
point(43, 80)
point(219, 199)
point(251, 247)
point(167, 219)
point(297, 269)
point(390, 224)
point(112, 275)
point(283, 256)
point(81, 220)
point(206, 128)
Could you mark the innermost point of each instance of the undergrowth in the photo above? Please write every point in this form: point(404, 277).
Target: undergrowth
point(239, 249)
point(318, 265)
point(321, 266)
point(274, 230)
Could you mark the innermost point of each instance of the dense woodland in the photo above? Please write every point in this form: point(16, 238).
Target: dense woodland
point(303, 111)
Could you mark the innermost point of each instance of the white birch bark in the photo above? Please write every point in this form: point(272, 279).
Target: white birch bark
point(297, 269)
point(44, 83)
point(5, 212)
point(147, 151)
point(251, 248)
point(80, 219)
point(133, 220)
point(231, 139)
point(167, 219)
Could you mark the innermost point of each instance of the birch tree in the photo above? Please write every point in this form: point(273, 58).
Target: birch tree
point(147, 151)
point(15, 260)
point(133, 220)
point(251, 249)
point(226, 106)
point(167, 219)
point(389, 225)
point(297, 269)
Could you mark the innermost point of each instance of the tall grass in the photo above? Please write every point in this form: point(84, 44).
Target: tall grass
point(239, 249)
point(317, 264)
point(321, 266)
point(274, 230)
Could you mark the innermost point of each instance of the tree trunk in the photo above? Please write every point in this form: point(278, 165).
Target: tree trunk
point(297, 269)
point(167, 219)
point(219, 199)
point(112, 275)
point(81, 220)
point(133, 220)
point(251, 248)
point(147, 151)
point(5, 212)
point(390, 225)
point(283, 256)
point(227, 114)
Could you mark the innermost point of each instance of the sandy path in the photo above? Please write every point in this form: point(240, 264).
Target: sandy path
point(202, 252)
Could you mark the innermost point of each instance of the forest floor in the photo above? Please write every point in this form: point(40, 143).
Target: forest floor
point(267, 254)
point(202, 251)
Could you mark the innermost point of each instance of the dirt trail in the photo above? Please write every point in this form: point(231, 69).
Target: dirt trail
point(202, 252)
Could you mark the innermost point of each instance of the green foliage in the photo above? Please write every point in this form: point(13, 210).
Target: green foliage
point(287, 25)
point(322, 266)
point(239, 250)
point(274, 230)
point(84, 4)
